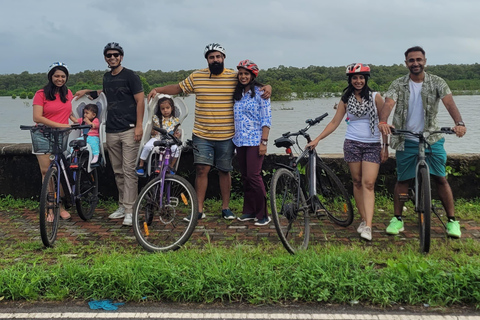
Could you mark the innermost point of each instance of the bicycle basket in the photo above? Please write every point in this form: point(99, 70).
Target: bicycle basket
point(43, 140)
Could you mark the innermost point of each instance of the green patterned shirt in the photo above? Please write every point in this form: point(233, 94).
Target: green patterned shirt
point(434, 89)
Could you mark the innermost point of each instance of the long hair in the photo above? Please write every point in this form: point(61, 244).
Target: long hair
point(238, 93)
point(364, 93)
point(50, 89)
point(159, 112)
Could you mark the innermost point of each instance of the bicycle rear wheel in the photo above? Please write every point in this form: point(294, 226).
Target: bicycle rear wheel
point(424, 209)
point(86, 189)
point(289, 211)
point(158, 216)
point(333, 198)
point(49, 207)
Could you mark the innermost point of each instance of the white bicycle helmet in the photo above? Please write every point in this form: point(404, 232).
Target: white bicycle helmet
point(214, 47)
point(59, 65)
point(113, 46)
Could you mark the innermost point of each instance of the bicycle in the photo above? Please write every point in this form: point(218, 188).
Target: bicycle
point(421, 193)
point(75, 177)
point(295, 196)
point(165, 203)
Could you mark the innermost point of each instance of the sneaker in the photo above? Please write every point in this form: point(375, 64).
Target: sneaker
point(201, 215)
point(366, 233)
point(118, 214)
point(263, 222)
point(228, 214)
point(453, 229)
point(95, 159)
point(140, 172)
point(361, 227)
point(128, 219)
point(246, 217)
point(395, 226)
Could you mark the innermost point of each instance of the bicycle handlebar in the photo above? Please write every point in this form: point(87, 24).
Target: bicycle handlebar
point(310, 123)
point(446, 130)
point(72, 127)
point(168, 134)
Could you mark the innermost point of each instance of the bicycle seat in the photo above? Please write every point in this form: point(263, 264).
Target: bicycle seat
point(284, 142)
point(78, 143)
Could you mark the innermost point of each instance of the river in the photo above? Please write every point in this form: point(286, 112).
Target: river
point(286, 116)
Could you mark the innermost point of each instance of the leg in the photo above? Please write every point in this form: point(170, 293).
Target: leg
point(201, 183)
point(356, 172)
point(129, 158)
point(369, 176)
point(445, 194)
point(242, 166)
point(256, 193)
point(225, 182)
point(223, 155)
point(401, 187)
point(114, 147)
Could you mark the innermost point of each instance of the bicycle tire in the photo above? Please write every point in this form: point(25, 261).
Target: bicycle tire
point(49, 207)
point(334, 200)
point(86, 189)
point(424, 214)
point(162, 227)
point(291, 221)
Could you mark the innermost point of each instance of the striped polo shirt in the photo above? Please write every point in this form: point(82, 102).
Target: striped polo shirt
point(213, 103)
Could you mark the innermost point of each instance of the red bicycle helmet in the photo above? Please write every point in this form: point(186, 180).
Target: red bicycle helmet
point(358, 68)
point(249, 65)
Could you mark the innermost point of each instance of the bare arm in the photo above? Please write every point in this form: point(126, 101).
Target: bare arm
point(267, 91)
point(81, 93)
point(140, 100)
point(384, 153)
point(383, 116)
point(331, 126)
point(171, 89)
point(455, 114)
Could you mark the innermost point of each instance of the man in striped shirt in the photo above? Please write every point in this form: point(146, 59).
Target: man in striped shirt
point(213, 127)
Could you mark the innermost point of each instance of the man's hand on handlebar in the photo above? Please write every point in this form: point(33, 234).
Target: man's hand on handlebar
point(385, 128)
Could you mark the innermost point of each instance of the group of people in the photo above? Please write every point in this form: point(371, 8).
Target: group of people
point(232, 112)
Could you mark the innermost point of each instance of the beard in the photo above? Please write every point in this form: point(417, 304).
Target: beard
point(216, 68)
point(418, 71)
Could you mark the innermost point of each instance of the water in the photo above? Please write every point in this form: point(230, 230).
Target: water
point(286, 116)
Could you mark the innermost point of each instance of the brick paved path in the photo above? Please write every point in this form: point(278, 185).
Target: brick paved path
point(23, 226)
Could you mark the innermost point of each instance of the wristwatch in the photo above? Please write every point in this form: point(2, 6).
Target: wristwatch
point(264, 142)
point(460, 123)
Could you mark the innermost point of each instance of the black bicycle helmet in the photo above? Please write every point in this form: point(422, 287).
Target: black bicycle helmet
point(113, 46)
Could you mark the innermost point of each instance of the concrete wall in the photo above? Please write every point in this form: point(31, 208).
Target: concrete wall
point(20, 174)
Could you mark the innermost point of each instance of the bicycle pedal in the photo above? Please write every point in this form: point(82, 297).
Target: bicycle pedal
point(403, 197)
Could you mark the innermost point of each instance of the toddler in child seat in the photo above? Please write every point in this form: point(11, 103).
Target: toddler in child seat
point(90, 112)
point(164, 118)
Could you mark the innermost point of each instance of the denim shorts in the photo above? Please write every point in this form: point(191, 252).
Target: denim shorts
point(356, 151)
point(213, 153)
point(436, 157)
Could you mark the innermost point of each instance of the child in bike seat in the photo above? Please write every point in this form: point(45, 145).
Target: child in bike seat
point(90, 112)
point(163, 118)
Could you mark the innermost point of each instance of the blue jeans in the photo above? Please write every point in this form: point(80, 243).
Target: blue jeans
point(213, 153)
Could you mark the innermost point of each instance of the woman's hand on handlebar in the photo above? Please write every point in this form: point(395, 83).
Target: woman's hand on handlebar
point(312, 145)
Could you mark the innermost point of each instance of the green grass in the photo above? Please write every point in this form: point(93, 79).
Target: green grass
point(256, 273)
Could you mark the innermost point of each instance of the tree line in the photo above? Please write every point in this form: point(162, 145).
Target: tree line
point(287, 82)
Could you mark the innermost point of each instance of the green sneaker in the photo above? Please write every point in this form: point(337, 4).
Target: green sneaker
point(395, 226)
point(453, 229)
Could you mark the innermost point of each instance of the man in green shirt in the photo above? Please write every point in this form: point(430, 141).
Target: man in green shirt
point(417, 96)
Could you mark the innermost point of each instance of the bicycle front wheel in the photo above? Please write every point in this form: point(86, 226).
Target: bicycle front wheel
point(158, 215)
point(86, 190)
point(424, 213)
point(49, 207)
point(289, 211)
point(334, 200)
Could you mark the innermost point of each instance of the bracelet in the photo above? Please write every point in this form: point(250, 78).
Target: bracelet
point(386, 144)
point(263, 139)
point(382, 122)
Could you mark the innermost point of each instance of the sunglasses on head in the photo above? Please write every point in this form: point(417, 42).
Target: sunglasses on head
point(109, 55)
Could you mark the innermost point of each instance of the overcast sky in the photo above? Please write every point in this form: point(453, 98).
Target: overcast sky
point(171, 34)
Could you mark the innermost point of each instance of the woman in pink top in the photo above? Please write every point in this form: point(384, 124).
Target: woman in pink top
point(52, 107)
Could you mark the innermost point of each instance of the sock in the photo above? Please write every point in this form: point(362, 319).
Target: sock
point(399, 218)
point(95, 158)
point(450, 219)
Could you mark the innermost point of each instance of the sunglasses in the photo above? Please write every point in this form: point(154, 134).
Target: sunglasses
point(109, 55)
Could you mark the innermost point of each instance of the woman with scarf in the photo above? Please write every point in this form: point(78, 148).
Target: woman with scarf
point(363, 149)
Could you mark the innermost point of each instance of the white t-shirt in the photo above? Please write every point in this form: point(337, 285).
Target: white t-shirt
point(358, 128)
point(415, 114)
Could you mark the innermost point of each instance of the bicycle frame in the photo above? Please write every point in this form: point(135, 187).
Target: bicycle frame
point(421, 162)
